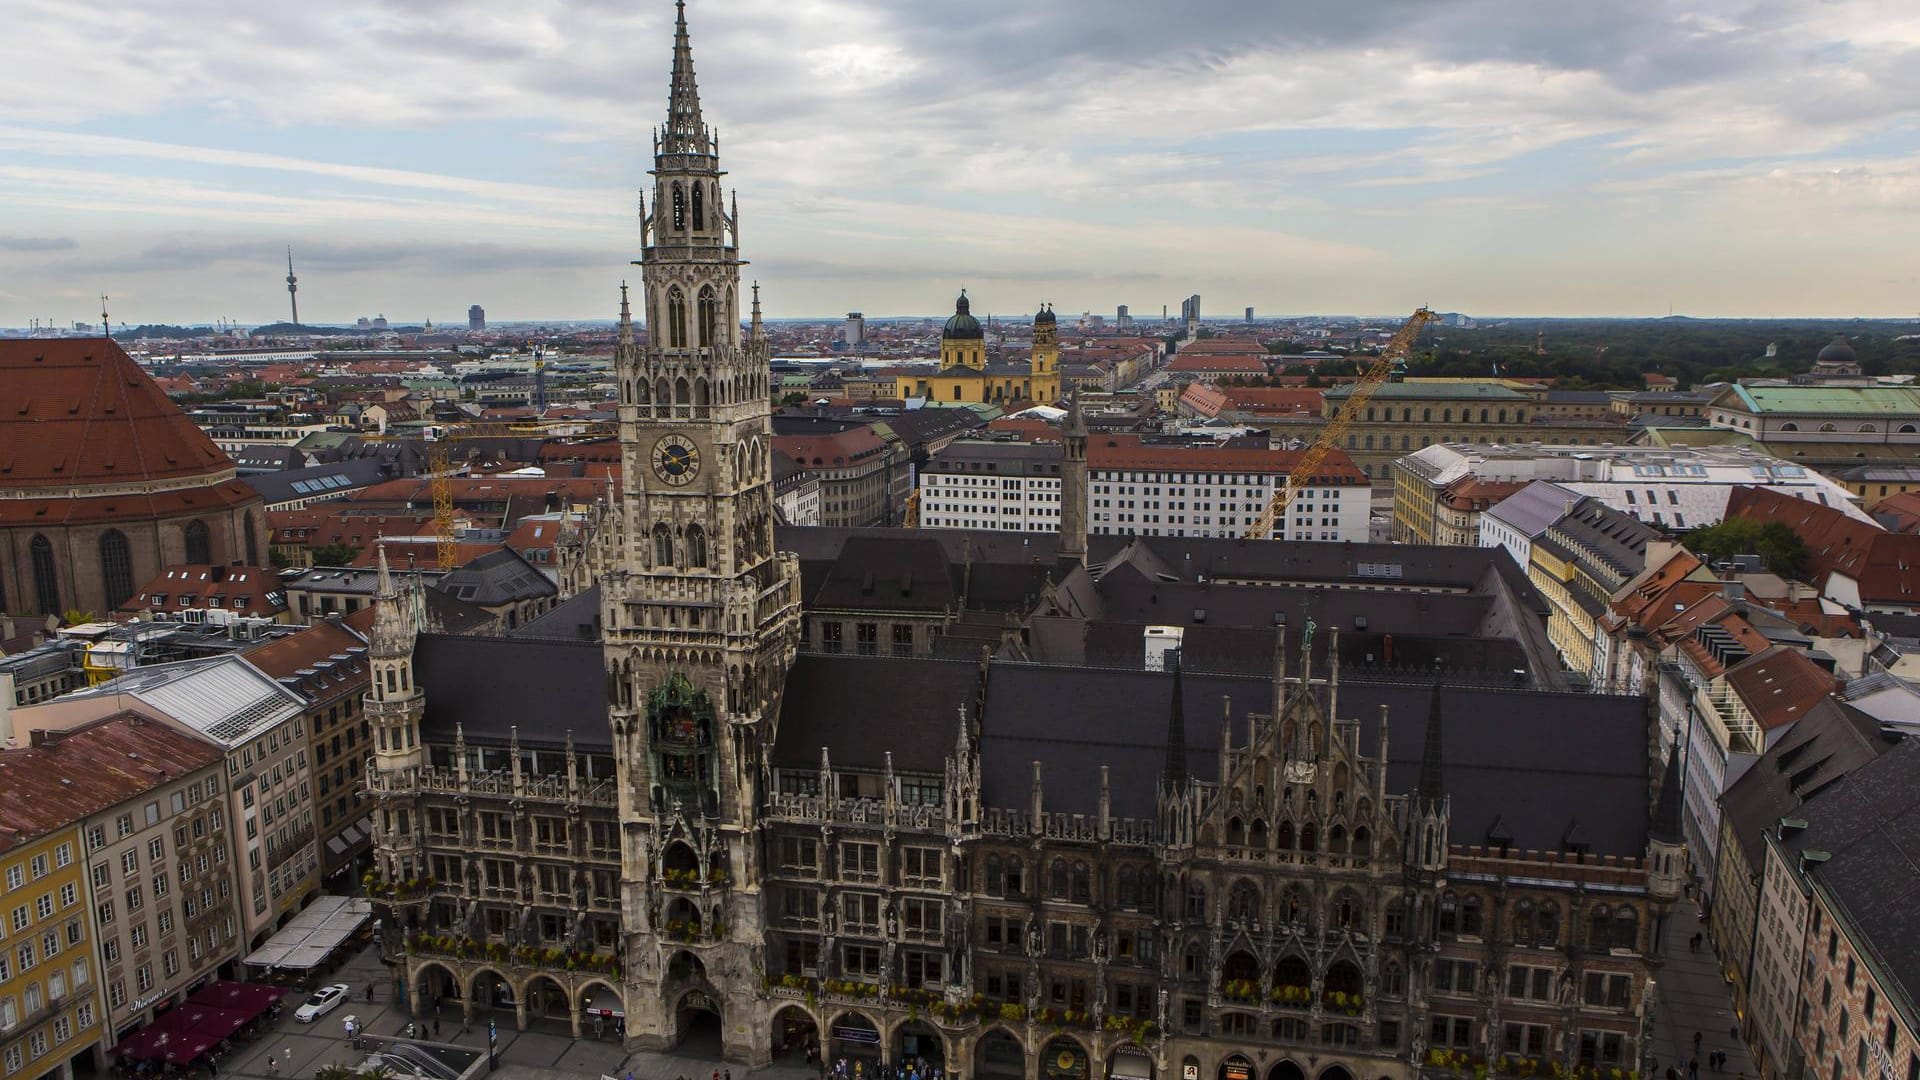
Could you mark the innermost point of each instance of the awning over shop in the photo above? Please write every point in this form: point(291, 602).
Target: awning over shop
point(604, 1002)
point(180, 1035)
point(313, 935)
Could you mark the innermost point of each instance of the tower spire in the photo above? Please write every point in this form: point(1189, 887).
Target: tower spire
point(685, 133)
point(1432, 789)
point(1666, 813)
point(293, 286)
point(1174, 775)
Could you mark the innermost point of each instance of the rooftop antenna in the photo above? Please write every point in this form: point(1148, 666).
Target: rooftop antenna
point(106, 325)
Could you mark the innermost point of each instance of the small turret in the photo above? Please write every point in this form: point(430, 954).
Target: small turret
point(1427, 822)
point(1666, 836)
point(1073, 484)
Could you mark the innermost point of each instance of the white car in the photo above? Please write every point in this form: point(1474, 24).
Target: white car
point(324, 1000)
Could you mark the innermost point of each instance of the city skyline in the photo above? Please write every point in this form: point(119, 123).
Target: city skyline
point(1485, 157)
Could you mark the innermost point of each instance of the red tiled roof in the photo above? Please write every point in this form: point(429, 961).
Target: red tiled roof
point(320, 528)
point(73, 774)
point(1468, 490)
point(195, 587)
point(527, 490)
point(1235, 363)
point(825, 451)
point(282, 658)
point(422, 551)
point(79, 411)
point(1132, 452)
point(1899, 513)
point(1026, 428)
point(1886, 566)
point(1780, 685)
point(225, 495)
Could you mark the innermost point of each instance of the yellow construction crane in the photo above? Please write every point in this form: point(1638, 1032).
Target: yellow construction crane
point(1371, 380)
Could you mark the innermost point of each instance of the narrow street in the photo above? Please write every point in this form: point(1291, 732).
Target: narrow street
point(1694, 997)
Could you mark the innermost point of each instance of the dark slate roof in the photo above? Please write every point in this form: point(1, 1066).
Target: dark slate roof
point(919, 426)
point(261, 458)
point(996, 571)
point(887, 573)
point(498, 577)
point(1870, 823)
point(1411, 647)
point(488, 685)
point(328, 481)
point(1830, 741)
point(860, 708)
point(1542, 761)
point(574, 619)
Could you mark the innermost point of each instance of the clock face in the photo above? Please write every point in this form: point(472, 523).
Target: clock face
point(675, 460)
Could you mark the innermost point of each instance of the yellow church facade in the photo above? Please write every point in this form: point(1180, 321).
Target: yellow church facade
point(966, 374)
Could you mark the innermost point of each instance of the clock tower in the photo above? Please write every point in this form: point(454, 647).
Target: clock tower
point(700, 614)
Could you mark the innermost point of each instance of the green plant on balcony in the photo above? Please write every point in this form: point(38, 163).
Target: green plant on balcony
point(717, 876)
point(1240, 990)
point(1140, 1031)
point(1293, 995)
point(1013, 1012)
point(1350, 1004)
point(688, 878)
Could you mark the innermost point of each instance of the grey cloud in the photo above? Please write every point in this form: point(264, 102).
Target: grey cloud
point(38, 243)
point(425, 256)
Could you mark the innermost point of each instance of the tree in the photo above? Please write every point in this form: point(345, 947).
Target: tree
point(791, 398)
point(1778, 546)
point(335, 554)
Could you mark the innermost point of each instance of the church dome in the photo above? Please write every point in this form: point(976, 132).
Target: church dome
point(1836, 352)
point(963, 326)
point(1044, 315)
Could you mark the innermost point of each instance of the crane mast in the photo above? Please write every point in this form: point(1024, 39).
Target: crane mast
point(1363, 390)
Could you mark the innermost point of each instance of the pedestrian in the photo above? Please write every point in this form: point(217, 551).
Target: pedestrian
point(436, 1027)
point(1693, 1068)
point(273, 1067)
point(1696, 1042)
point(728, 1073)
point(369, 991)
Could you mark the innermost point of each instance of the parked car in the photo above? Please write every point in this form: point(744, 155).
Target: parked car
point(324, 1000)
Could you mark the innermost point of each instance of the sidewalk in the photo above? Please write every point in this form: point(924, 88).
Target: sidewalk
point(1694, 998)
point(546, 1051)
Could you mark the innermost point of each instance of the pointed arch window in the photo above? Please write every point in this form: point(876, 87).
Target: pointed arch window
point(46, 577)
point(252, 540)
point(676, 318)
point(199, 549)
point(709, 314)
point(116, 568)
point(696, 546)
point(679, 209)
point(662, 545)
point(699, 207)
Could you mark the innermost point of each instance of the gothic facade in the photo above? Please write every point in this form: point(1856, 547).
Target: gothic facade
point(1012, 869)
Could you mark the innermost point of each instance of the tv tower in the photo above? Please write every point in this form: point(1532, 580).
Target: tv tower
point(293, 287)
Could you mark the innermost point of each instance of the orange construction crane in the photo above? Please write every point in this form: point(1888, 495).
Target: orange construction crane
point(440, 479)
point(1371, 380)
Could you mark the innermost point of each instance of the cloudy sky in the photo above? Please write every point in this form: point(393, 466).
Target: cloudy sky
point(1491, 156)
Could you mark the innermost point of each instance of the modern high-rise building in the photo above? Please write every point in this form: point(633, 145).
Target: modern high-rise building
point(855, 330)
point(476, 318)
point(1249, 316)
